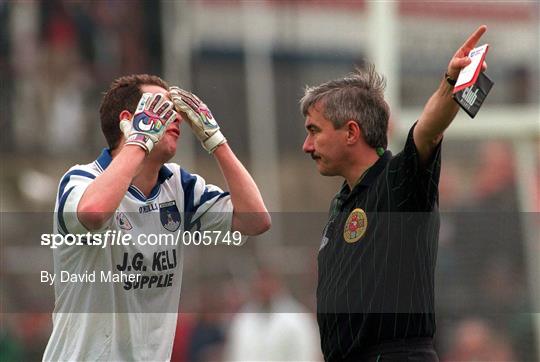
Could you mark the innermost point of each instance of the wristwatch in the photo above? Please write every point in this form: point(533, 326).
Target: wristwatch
point(450, 81)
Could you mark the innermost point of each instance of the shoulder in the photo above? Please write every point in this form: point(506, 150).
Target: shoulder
point(79, 174)
point(182, 174)
point(411, 154)
point(173, 173)
point(406, 162)
point(189, 181)
point(90, 170)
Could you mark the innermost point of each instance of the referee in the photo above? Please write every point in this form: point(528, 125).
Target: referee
point(376, 262)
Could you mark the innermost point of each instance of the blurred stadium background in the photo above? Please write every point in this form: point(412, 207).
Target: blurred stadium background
point(249, 60)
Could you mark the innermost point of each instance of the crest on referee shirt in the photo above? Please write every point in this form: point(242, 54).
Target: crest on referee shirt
point(169, 215)
point(356, 226)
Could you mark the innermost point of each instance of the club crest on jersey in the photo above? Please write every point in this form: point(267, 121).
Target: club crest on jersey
point(356, 226)
point(169, 215)
point(123, 222)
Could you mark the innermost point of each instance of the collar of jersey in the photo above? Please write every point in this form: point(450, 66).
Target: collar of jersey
point(104, 160)
point(369, 176)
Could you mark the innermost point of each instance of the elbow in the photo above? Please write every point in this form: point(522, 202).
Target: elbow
point(253, 224)
point(92, 216)
point(264, 224)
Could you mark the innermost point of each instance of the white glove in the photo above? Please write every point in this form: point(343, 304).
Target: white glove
point(152, 116)
point(199, 118)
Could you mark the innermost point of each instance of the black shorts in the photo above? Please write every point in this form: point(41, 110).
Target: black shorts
point(414, 349)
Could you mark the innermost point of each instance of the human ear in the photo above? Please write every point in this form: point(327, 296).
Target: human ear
point(353, 132)
point(125, 114)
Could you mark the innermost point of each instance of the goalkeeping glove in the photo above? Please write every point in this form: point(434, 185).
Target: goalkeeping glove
point(152, 116)
point(199, 118)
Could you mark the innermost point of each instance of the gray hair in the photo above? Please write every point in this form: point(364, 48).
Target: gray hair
point(358, 96)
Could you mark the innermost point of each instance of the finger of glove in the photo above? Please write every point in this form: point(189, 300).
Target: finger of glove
point(178, 92)
point(177, 99)
point(125, 127)
point(164, 108)
point(199, 106)
point(184, 105)
point(174, 90)
point(190, 103)
point(169, 117)
point(192, 117)
point(143, 102)
point(197, 98)
point(190, 96)
point(200, 115)
point(155, 103)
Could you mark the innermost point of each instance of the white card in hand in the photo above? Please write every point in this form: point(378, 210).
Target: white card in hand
point(469, 74)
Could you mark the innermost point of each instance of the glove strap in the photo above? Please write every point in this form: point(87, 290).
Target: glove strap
point(214, 141)
point(142, 141)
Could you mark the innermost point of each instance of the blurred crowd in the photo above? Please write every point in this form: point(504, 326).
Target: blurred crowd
point(483, 294)
point(53, 83)
point(59, 56)
point(267, 323)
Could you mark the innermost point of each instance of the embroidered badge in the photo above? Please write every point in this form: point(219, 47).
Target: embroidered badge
point(123, 222)
point(169, 216)
point(356, 226)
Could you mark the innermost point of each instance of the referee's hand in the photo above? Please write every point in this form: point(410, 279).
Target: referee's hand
point(461, 59)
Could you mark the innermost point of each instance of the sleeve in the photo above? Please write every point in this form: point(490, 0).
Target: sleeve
point(206, 207)
point(72, 186)
point(415, 186)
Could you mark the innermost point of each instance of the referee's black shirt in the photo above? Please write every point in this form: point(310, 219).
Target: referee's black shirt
point(380, 288)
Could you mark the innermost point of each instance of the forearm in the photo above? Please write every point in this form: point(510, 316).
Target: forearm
point(104, 194)
point(439, 112)
point(250, 214)
point(441, 109)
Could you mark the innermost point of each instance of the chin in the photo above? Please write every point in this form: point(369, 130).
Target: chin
point(169, 153)
point(327, 172)
point(166, 151)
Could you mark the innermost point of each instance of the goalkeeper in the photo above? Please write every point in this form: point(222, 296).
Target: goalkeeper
point(131, 188)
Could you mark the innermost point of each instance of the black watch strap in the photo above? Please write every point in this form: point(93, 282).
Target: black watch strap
point(450, 81)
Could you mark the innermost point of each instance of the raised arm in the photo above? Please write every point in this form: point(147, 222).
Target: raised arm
point(441, 109)
point(141, 130)
point(104, 194)
point(250, 216)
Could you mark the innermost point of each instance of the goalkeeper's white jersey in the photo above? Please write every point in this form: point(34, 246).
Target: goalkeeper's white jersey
point(128, 309)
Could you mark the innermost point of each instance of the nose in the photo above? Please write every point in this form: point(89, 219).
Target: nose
point(308, 147)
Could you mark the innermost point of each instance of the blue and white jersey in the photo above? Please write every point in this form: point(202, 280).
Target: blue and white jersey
point(120, 301)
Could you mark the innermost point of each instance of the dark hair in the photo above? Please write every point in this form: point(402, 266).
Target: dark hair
point(124, 93)
point(360, 97)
